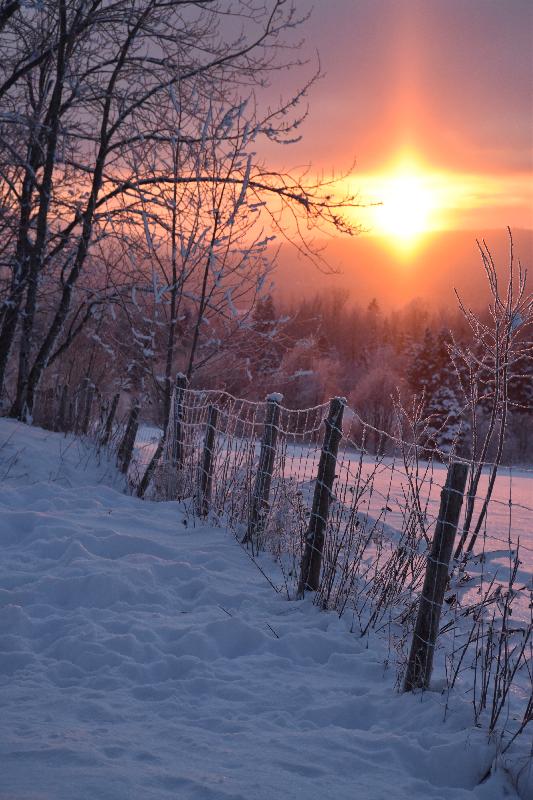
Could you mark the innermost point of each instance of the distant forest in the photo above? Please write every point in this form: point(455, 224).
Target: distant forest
point(310, 351)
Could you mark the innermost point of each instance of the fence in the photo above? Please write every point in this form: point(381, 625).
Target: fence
point(369, 533)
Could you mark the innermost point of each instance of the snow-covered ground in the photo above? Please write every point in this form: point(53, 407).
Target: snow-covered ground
point(142, 657)
point(508, 516)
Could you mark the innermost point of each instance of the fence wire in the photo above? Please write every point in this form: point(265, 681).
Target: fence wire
point(378, 533)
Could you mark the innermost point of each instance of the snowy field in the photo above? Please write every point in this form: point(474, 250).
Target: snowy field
point(142, 657)
point(509, 521)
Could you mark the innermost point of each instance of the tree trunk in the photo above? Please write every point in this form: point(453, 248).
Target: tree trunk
point(51, 125)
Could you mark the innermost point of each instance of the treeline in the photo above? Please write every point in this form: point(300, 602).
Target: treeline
point(426, 361)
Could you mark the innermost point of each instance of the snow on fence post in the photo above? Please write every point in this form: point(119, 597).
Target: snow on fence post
point(125, 450)
point(206, 469)
point(316, 531)
point(265, 468)
point(89, 397)
point(179, 394)
point(60, 423)
point(427, 622)
point(108, 429)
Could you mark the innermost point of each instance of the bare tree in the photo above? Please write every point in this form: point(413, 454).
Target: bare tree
point(86, 89)
point(486, 368)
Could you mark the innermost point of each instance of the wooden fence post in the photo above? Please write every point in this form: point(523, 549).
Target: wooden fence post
point(108, 429)
point(206, 469)
point(150, 469)
point(70, 422)
point(427, 622)
point(89, 397)
point(60, 424)
point(179, 393)
point(265, 468)
point(316, 531)
point(78, 408)
point(125, 450)
point(174, 429)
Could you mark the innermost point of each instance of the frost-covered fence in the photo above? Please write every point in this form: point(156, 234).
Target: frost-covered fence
point(377, 533)
point(255, 468)
point(384, 500)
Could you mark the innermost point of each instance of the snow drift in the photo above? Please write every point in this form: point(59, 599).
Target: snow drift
point(142, 656)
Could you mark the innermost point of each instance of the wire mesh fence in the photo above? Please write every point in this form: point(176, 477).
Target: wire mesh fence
point(261, 470)
point(384, 507)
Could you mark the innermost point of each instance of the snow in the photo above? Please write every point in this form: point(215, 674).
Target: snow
point(143, 656)
point(274, 397)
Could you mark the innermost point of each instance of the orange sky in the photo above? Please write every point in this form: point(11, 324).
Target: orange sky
point(434, 101)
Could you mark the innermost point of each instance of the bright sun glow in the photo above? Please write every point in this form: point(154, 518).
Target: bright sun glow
point(409, 199)
point(407, 204)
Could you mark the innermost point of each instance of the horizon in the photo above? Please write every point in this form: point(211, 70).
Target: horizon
point(454, 256)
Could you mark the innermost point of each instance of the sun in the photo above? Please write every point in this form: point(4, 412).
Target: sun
point(405, 199)
point(407, 204)
point(408, 200)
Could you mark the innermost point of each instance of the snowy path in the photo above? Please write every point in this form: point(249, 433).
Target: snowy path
point(142, 659)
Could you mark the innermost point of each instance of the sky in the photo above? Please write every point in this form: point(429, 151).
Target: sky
point(433, 101)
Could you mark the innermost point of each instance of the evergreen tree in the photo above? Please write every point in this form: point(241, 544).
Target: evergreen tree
point(431, 375)
point(264, 315)
point(422, 366)
point(267, 350)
